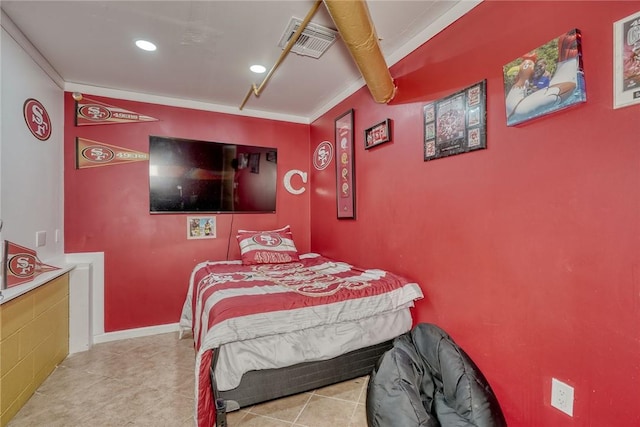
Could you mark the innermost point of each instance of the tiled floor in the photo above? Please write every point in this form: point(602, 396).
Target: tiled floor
point(149, 381)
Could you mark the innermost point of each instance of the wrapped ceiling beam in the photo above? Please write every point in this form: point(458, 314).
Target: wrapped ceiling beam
point(356, 29)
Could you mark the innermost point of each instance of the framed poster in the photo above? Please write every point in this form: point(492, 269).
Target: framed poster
point(201, 227)
point(243, 160)
point(377, 134)
point(345, 166)
point(547, 79)
point(626, 61)
point(254, 162)
point(456, 124)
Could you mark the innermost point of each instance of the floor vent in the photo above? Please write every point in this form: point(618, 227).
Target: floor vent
point(314, 40)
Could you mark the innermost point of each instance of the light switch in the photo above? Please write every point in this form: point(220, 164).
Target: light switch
point(41, 238)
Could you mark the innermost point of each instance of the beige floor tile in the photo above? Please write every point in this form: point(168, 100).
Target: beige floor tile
point(149, 381)
point(176, 355)
point(70, 385)
point(254, 420)
point(234, 418)
point(42, 410)
point(165, 409)
point(363, 393)
point(359, 418)
point(122, 366)
point(285, 409)
point(348, 390)
point(326, 412)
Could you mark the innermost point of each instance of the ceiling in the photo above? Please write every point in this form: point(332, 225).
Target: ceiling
point(205, 49)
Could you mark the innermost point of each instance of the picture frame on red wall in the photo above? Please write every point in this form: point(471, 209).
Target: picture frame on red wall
point(201, 227)
point(377, 134)
point(456, 124)
point(626, 61)
point(546, 79)
point(345, 166)
point(254, 162)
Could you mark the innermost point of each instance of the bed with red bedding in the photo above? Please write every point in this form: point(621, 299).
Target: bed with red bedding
point(266, 317)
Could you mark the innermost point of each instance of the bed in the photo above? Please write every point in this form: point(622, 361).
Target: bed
point(275, 324)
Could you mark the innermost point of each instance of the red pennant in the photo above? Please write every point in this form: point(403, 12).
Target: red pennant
point(22, 265)
point(90, 112)
point(91, 154)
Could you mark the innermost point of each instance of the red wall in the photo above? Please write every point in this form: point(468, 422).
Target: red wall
point(528, 251)
point(148, 258)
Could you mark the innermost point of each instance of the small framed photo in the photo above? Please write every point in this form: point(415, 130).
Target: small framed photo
point(272, 156)
point(243, 160)
point(201, 227)
point(377, 134)
point(254, 162)
point(626, 61)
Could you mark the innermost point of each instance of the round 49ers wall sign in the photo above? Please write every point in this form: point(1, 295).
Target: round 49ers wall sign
point(37, 119)
point(323, 155)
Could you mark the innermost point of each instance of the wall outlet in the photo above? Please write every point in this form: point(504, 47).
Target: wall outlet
point(41, 238)
point(562, 396)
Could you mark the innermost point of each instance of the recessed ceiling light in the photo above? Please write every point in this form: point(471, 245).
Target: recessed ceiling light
point(145, 45)
point(259, 69)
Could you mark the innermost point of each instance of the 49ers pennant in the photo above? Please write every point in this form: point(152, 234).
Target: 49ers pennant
point(91, 154)
point(91, 112)
point(22, 265)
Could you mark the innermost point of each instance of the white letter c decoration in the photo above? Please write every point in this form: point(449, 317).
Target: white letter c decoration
point(287, 181)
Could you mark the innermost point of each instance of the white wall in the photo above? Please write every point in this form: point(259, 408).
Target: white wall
point(31, 171)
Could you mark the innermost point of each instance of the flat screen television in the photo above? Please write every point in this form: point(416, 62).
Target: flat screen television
point(191, 176)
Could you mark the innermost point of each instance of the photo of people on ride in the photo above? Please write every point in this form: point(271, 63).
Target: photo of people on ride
point(545, 80)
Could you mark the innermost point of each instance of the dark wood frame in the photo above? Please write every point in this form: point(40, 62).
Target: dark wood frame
point(465, 129)
point(377, 134)
point(345, 166)
point(254, 162)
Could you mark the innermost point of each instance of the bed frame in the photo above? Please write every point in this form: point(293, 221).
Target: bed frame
point(261, 386)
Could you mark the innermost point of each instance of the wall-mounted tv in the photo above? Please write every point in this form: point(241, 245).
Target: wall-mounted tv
point(188, 175)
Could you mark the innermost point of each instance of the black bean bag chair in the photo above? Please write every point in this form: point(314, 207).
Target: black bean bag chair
point(426, 380)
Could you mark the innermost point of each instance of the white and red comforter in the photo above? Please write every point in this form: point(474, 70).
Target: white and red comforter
point(228, 302)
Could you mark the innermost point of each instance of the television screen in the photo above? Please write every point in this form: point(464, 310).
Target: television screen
point(200, 176)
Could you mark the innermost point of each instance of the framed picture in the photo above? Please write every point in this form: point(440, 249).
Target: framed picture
point(345, 166)
point(545, 80)
point(272, 156)
point(243, 160)
point(626, 61)
point(377, 134)
point(201, 227)
point(254, 162)
point(456, 124)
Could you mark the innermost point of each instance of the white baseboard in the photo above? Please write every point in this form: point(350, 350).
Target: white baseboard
point(136, 333)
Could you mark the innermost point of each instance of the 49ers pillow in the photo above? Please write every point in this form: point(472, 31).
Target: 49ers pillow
point(267, 247)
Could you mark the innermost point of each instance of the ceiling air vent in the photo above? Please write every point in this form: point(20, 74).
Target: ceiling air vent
point(314, 40)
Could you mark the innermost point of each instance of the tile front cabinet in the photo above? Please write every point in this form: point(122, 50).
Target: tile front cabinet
point(34, 339)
